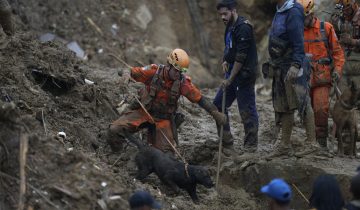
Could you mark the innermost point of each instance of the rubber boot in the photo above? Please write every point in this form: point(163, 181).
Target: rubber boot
point(287, 122)
point(228, 139)
point(309, 122)
point(311, 145)
point(322, 142)
point(116, 138)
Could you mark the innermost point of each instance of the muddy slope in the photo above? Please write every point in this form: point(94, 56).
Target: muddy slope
point(46, 84)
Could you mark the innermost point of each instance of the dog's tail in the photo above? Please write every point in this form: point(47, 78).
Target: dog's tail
point(132, 139)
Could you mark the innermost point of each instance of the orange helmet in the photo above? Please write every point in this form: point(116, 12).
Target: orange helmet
point(308, 6)
point(179, 59)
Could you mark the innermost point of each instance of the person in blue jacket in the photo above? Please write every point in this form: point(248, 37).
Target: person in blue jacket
point(290, 70)
point(240, 67)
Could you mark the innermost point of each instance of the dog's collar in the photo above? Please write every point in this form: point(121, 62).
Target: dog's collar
point(186, 165)
point(348, 106)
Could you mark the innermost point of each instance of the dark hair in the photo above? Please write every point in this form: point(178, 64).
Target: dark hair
point(355, 186)
point(230, 4)
point(326, 194)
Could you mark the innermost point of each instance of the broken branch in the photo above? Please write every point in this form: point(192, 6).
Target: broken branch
point(302, 195)
point(43, 120)
point(92, 23)
point(22, 158)
point(32, 187)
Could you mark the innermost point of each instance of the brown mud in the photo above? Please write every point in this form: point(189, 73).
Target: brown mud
point(45, 84)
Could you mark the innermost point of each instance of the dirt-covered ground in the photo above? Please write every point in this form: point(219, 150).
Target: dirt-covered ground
point(45, 84)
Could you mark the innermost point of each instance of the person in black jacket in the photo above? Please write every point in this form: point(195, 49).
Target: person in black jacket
point(326, 194)
point(240, 68)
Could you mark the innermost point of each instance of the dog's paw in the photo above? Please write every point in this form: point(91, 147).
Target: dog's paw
point(174, 189)
point(197, 202)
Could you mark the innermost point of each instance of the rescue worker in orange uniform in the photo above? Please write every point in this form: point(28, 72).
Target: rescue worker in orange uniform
point(164, 84)
point(327, 59)
point(350, 39)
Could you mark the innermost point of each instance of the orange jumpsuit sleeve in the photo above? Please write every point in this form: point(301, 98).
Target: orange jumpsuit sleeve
point(190, 91)
point(337, 51)
point(144, 74)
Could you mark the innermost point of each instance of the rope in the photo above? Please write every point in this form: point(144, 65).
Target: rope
point(167, 139)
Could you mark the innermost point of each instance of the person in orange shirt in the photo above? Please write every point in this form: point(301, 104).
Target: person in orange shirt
point(327, 58)
point(164, 84)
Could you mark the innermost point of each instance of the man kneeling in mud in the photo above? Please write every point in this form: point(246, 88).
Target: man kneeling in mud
point(164, 84)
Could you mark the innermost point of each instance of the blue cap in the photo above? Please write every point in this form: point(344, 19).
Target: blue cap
point(143, 198)
point(277, 189)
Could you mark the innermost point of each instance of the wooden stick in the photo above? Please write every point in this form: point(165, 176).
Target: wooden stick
point(141, 63)
point(94, 25)
point(302, 195)
point(43, 120)
point(119, 59)
point(32, 187)
point(220, 142)
point(117, 160)
point(22, 158)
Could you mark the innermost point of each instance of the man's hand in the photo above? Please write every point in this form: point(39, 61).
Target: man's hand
point(266, 70)
point(219, 117)
point(292, 74)
point(225, 67)
point(126, 75)
point(225, 83)
point(335, 77)
point(346, 39)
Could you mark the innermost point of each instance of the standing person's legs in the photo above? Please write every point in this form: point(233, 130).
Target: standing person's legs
point(320, 104)
point(285, 103)
point(249, 116)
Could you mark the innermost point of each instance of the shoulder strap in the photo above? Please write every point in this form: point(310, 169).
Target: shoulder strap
point(325, 39)
point(175, 92)
point(324, 36)
point(155, 81)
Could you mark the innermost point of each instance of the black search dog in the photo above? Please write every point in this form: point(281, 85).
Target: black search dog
point(170, 171)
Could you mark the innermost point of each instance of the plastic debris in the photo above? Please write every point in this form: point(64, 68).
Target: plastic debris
point(61, 135)
point(115, 197)
point(89, 82)
point(75, 47)
point(114, 29)
point(48, 37)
